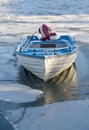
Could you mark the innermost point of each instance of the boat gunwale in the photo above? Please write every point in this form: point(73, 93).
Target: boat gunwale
point(44, 56)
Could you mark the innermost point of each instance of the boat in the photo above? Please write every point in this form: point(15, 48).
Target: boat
point(46, 59)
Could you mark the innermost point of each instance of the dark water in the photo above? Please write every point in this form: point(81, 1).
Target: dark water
point(4, 125)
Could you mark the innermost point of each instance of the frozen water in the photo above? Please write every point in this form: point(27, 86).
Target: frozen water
point(64, 115)
point(18, 93)
point(22, 17)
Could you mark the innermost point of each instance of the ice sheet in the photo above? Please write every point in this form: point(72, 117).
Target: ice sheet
point(18, 93)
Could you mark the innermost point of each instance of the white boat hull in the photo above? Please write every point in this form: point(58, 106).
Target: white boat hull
point(47, 68)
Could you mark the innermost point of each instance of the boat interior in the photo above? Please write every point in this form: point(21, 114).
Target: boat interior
point(35, 42)
point(45, 45)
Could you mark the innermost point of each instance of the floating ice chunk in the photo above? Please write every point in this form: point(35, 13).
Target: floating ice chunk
point(18, 93)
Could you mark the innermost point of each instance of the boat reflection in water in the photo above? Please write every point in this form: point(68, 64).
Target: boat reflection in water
point(60, 88)
point(63, 86)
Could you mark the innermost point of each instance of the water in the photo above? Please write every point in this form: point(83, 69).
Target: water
point(21, 17)
point(39, 7)
point(4, 125)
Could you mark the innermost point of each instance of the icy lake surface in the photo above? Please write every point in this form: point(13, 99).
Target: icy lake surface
point(28, 107)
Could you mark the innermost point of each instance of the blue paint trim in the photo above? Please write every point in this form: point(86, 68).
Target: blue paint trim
point(46, 52)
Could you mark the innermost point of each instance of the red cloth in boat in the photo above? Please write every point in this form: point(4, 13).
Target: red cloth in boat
point(46, 32)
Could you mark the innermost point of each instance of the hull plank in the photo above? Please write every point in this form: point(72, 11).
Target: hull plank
point(48, 67)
